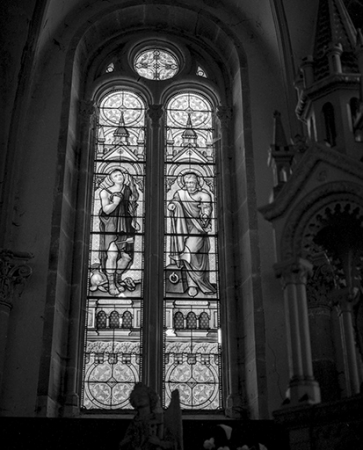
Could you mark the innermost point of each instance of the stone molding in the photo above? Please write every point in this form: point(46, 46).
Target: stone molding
point(293, 271)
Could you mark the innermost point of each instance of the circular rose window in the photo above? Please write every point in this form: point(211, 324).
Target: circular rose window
point(156, 64)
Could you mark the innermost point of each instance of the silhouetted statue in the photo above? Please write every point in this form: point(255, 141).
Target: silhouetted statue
point(153, 428)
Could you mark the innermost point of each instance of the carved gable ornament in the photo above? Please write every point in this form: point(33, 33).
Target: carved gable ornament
point(324, 180)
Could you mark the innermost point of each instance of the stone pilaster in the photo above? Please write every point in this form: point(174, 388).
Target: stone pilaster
point(153, 313)
point(343, 300)
point(303, 389)
point(13, 274)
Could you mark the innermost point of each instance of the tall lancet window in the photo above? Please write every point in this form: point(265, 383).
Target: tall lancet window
point(113, 352)
point(192, 360)
point(153, 302)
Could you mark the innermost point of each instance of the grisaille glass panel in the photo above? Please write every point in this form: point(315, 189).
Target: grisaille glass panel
point(156, 64)
point(192, 359)
point(115, 283)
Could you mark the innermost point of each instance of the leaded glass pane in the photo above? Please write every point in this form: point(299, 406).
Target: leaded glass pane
point(191, 321)
point(156, 64)
point(201, 72)
point(101, 319)
point(204, 321)
point(178, 321)
point(112, 360)
point(127, 320)
point(114, 319)
point(191, 285)
point(110, 68)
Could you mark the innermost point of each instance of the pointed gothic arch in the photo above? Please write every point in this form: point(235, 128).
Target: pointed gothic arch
point(83, 57)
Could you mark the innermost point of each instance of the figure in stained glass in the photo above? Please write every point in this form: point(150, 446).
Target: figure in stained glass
point(118, 224)
point(191, 210)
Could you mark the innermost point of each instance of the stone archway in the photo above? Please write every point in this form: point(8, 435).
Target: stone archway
point(327, 230)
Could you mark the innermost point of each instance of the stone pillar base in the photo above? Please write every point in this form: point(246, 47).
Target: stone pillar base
point(71, 407)
point(302, 392)
point(235, 409)
point(46, 407)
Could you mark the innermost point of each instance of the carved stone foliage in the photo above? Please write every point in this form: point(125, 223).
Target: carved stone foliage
point(313, 214)
point(155, 112)
point(293, 271)
point(321, 282)
point(13, 274)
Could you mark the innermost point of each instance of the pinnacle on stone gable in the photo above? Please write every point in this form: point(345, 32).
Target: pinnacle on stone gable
point(279, 139)
point(334, 30)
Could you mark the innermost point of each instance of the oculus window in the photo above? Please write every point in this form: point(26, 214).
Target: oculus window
point(156, 64)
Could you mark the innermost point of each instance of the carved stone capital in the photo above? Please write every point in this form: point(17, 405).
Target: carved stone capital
point(293, 271)
point(87, 109)
point(224, 115)
point(235, 407)
point(155, 112)
point(343, 299)
point(322, 281)
point(13, 274)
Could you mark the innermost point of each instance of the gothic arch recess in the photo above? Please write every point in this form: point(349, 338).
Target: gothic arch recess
point(84, 57)
point(313, 214)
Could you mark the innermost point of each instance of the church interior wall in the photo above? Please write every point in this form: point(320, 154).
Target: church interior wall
point(48, 147)
point(46, 211)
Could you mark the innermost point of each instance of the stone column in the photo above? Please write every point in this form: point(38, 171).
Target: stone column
point(13, 274)
point(320, 310)
point(303, 388)
point(77, 312)
point(344, 303)
point(154, 222)
point(334, 54)
point(308, 70)
point(235, 407)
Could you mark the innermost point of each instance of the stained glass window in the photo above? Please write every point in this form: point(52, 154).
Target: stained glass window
point(201, 72)
point(156, 64)
point(127, 320)
point(204, 321)
point(178, 320)
point(110, 68)
point(192, 360)
point(114, 319)
point(191, 321)
point(101, 319)
point(112, 353)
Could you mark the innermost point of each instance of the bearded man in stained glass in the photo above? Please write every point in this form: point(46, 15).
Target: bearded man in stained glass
point(191, 210)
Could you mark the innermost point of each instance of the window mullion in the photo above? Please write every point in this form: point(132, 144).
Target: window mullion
point(153, 294)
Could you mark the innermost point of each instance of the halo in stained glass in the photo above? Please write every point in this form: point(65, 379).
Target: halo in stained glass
point(156, 64)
